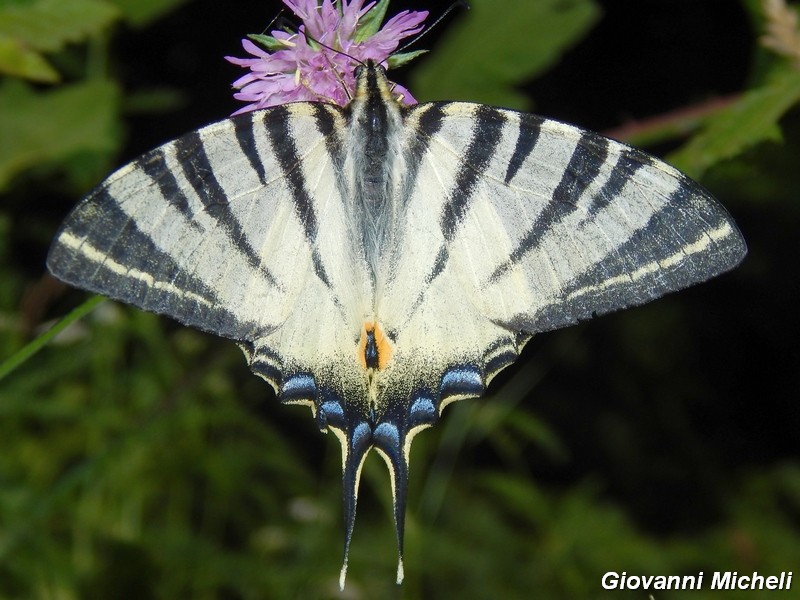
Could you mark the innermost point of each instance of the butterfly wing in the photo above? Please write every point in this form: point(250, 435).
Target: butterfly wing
point(563, 224)
point(513, 224)
point(224, 230)
point(538, 224)
point(516, 224)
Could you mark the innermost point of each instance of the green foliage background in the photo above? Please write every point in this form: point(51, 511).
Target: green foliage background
point(139, 459)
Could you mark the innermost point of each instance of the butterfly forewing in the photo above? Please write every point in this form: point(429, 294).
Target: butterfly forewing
point(222, 230)
point(561, 224)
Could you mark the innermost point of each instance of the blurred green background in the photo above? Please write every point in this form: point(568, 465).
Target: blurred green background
point(140, 459)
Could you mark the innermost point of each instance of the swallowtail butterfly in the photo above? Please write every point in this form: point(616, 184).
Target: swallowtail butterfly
point(377, 262)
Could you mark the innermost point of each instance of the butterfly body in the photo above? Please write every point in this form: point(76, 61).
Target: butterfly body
point(376, 261)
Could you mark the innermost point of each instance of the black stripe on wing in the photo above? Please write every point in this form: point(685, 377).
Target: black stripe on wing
point(628, 163)
point(277, 124)
point(486, 134)
point(673, 250)
point(427, 125)
point(245, 135)
point(154, 165)
point(527, 136)
point(583, 168)
point(439, 264)
point(325, 117)
point(423, 121)
point(191, 155)
point(145, 267)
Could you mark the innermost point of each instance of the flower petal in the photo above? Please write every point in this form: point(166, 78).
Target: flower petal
point(309, 71)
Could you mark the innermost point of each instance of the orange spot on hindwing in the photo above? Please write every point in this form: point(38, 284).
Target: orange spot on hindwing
point(374, 348)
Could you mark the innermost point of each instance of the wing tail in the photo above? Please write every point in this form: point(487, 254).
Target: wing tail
point(393, 445)
point(356, 444)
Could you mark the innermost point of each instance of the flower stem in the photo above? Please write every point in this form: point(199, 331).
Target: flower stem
point(31, 348)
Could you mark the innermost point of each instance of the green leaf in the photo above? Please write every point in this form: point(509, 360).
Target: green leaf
point(269, 42)
point(398, 60)
point(490, 51)
point(142, 12)
point(371, 22)
point(48, 25)
point(57, 126)
point(751, 120)
point(18, 60)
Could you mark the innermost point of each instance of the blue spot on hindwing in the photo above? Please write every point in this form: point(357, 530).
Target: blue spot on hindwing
point(422, 411)
point(387, 434)
point(500, 362)
point(463, 380)
point(299, 387)
point(362, 433)
point(333, 409)
point(331, 414)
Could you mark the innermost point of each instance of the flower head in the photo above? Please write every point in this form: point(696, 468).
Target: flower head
point(316, 63)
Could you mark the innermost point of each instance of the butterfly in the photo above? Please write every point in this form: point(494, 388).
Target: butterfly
point(377, 262)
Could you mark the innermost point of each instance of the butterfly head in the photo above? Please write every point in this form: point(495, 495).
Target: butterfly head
point(372, 82)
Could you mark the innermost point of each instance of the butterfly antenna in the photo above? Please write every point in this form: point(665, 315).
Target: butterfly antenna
point(332, 49)
point(278, 17)
point(451, 8)
point(288, 26)
point(338, 75)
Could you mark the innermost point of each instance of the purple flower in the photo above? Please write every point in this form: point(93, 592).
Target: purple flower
point(298, 67)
